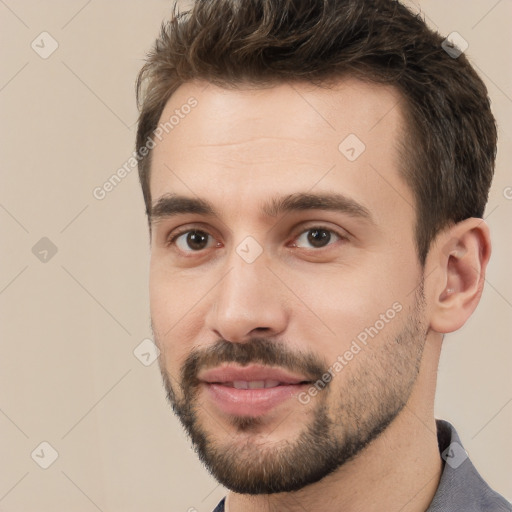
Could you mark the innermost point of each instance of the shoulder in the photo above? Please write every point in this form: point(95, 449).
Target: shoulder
point(461, 487)
point(220, 506)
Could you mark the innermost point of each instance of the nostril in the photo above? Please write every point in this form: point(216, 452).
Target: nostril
point(261, 330)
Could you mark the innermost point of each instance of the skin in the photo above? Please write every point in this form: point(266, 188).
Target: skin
point(236, 149)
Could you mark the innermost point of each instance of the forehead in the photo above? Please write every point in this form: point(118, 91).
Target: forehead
point(294, 137)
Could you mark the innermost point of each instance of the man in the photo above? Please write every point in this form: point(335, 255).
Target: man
point(315, 174)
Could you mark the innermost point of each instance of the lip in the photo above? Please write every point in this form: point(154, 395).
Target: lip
point(218, 384)
point(253, 372)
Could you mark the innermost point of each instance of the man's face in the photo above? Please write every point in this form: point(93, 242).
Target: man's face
point(297, 267)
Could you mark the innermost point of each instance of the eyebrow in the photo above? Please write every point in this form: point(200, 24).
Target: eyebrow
point(170, 205)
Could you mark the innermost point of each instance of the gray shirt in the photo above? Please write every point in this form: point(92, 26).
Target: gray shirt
point(461, 488)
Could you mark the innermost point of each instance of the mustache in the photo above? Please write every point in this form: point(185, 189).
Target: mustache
point(257, 350)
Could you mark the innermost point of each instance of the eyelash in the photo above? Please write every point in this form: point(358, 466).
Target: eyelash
point(172, 240)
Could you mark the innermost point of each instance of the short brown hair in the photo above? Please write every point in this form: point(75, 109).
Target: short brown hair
point(450, 147)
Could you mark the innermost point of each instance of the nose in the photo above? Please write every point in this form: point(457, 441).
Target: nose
point(248, 302)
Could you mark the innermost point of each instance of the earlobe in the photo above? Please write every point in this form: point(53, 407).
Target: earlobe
point(462, 253)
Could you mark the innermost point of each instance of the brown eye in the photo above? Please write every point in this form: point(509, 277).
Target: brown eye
point(319, 237)
point(316, 238)
point(193, 240)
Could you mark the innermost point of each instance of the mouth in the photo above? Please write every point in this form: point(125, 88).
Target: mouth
point(253, 384)
point(252, 390)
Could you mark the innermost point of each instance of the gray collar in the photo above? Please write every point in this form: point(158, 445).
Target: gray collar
point(461, 487)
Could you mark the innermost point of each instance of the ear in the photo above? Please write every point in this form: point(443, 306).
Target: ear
point(459, 259)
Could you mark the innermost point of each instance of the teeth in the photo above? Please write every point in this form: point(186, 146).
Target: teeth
point(255, 384)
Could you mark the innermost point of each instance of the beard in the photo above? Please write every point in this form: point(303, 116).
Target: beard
point(342, 421)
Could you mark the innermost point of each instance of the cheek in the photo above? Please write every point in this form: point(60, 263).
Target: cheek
point(349, 301)
point(160, 302)
point(171, 294)
point(176, 314)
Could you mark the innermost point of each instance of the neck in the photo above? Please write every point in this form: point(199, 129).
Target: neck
point(400, 470)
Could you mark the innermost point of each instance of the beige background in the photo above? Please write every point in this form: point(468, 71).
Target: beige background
point(70, 325)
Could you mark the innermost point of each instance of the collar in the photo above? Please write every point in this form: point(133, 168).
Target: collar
point(461, 487)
